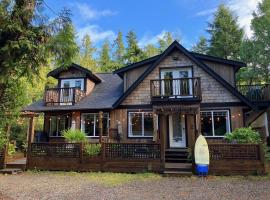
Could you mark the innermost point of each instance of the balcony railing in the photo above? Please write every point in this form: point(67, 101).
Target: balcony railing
point(176, 89)
point(255, 93)
point(63, 96)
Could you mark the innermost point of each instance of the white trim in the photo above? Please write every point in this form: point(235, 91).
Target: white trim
point(228, 123)
point(130, 135)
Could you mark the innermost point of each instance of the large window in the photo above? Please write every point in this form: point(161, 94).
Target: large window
point(215, 123)
point(59, 124)
point(90, 124)
point(140, 124)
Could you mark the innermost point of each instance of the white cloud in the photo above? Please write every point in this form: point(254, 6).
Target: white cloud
point(87, 12)
point(149, 38)
point(244, 10)
point(96, 33)
point(206, 12)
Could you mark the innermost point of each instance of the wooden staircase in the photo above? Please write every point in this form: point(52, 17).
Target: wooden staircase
point(15, 167)
point(177, 162)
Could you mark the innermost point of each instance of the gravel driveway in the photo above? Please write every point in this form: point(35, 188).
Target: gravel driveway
point(50, 185)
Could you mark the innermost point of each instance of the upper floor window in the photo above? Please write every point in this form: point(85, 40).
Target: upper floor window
point(215, 123)
point(70, 83)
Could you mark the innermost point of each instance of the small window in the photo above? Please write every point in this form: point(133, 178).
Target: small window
point(59, 124)
point(140, 124)
point(90, 124)
point(215, 123)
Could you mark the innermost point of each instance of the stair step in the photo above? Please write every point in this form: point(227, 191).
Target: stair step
point(177, 150)
point(178, 165)
point(16, 166)
point(177, 173)
point(10, 171)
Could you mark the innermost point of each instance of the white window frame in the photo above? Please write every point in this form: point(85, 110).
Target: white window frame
point(213, 125)
point(130, 125)
point(72, 82)
point(95, 117)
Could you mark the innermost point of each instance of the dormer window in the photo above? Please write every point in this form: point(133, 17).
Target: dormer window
point(71, 83)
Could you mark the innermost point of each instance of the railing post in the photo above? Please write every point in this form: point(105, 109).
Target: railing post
point(262, 157)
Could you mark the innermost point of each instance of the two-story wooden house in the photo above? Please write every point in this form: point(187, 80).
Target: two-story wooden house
point(167, 99)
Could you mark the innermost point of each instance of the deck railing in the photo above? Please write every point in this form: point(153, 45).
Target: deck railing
point(63, 96)
point(108, 150)
point(255, 93)
point(131, 151)
point(178, 88)
point(234, 151)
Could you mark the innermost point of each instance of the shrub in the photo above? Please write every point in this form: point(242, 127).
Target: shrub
point(244, 136)
point(11, 149)
point(92, 149)
point(2, 140)
point(74, 136)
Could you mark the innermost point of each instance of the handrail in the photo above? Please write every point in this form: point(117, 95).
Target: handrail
point(256, 92)
point(63, 96)
point(176, 87)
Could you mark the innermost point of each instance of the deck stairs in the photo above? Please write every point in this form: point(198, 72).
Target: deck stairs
point(14, 167)
point(177, 162)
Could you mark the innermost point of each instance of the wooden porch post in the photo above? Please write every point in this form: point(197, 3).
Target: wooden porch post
point(100, 125)
point(162, 132)
point(198, 123)
point(31, 131)
point(155, 124)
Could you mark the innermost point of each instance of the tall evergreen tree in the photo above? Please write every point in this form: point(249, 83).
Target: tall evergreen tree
point(260, 25)
point(64, 46)
point(225, 34)
point(201, 46)
point(165, 41)
point(105, 62)
point(119, 51)
point(87, 54)
point(23, 52)
point(133, 52)
point(151, 50)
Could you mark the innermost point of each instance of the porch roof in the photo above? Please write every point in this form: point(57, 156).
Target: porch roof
point(182, 109)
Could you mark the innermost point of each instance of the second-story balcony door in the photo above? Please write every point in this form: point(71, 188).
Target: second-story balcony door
point(176, 82)
point(67, 91)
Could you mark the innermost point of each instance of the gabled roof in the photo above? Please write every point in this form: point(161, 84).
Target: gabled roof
point(103, 96)
point(176, 45)
point(55, 73)
point(236, 64)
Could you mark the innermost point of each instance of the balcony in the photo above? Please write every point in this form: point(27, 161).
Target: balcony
point(255, 93)
point(63, 96)
point(178, 89)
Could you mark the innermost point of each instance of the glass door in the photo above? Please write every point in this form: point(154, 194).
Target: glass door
point(177, 135)
point(176, 83)
point(67, 90)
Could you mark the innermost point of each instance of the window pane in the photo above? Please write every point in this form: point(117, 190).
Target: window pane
point(53, 126)
point(97, 125)
point(148, 124)
point(64, 123)
point(89, 123)
point(78, 84)
point(136, 124)
point(206, 123)
point(220, 123)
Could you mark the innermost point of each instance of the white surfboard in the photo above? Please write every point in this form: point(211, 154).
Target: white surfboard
point(201, 151)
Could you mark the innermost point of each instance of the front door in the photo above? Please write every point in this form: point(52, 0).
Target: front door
point(177, 135)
